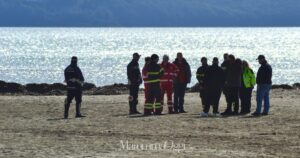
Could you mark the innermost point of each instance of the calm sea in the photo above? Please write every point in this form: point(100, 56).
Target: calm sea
point(40, 55)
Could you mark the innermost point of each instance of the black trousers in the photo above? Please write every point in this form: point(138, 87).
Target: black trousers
point(212, 97)
point(71, 94)
point(225, 92)
point(245, 97)
point(133, 97)
point(233, 99)
point(179, 93)
point(202, 96)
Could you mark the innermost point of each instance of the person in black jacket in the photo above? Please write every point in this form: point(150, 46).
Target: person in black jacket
point(200, 75)
point(74, 80)
point(213, 83)
point(134, 82)
point(264, 85)
point(154, 73)
point(225, 66)
point(180, 83)
point(233, 84)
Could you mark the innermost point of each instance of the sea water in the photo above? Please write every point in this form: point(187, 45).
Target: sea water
point(40, 55)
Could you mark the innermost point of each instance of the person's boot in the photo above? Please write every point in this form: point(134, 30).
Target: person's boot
point(157, 112)
point(228, 111)
point(135, 111)
point(147, 112)
point(66, 113)
point(236, 109)
point(171, 110)
point(78, 114)
point(131, 109)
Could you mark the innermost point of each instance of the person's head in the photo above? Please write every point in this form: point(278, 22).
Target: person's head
point(238, 63)
point(147, 60)
point(261, 59)
point(231, 58)
point(74, 61)
point(204, 61)
point(166, 58)
point(136, 56)
point(245, 64)
point(154, 58)
point(215, 61)
point(225, 56)
point(179, 56)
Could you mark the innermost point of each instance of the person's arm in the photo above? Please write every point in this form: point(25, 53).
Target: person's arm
point(189, 73)
point(81, 78)
point(198, 75)
point(129, 73)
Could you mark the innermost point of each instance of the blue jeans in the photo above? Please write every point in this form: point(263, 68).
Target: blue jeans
point(262, 94)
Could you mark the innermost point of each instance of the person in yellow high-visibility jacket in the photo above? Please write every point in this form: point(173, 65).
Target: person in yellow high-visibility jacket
point(248, 83)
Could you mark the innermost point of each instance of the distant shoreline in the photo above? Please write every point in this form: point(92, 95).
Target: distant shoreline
point(59, 89)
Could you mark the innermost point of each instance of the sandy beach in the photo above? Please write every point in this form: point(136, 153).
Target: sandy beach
point(32, 126)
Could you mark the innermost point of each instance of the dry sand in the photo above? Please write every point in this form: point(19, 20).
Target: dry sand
point(31, 126)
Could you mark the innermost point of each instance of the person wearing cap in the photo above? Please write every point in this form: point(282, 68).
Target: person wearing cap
point(154, 73)
point(248, 83)
point(74, 80)
point(214, 80)
point(264, 85)
point(233, 84)
point(200, 77)
point(166, 82)
point(134, 82)
point(145, 78)
point(180, 83)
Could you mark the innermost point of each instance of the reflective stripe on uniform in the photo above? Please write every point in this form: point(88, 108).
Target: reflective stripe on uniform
point(166, 80)
point(157, 105)
point(153, 73)
point(154, 81)
point(148, 106)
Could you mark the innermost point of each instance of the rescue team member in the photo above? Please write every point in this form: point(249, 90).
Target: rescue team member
point(166, 82)
point(154, 73)
point(248, 83)
point(145, 78)
point(74, 80)
point(233, 83)
point(200, 77)
point(180, 83)
point(264, 85)
point(134, 82)
point(213, 83)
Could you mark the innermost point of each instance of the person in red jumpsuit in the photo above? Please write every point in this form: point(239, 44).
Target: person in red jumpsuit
point(145, 77)
point(166, 82)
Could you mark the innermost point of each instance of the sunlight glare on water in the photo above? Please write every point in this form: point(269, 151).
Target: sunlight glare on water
point(39, 55)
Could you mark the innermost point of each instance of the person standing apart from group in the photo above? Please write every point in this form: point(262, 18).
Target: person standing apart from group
point(154, 73)
point(134, 82)
point(180, 83)
point(233, 84)
point(264, 85)
point(74, 80)
point(248, 83)
point(200, 75)
point(166, 82)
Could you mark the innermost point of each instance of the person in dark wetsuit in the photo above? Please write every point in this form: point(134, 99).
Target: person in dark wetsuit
point(74, 80)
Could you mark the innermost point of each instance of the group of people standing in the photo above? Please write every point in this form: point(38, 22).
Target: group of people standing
point(234, 78)
point(159, 79)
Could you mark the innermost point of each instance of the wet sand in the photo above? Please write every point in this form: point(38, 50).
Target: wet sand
point(32, 126)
